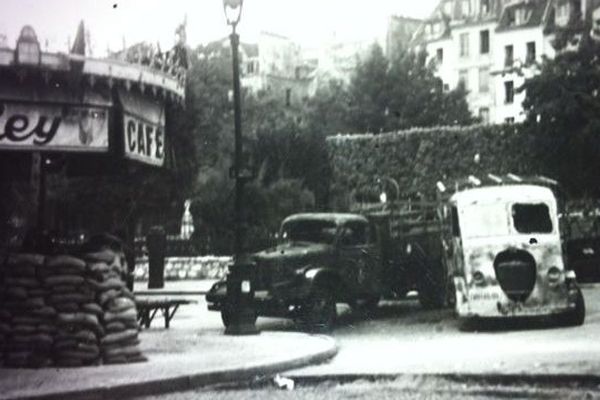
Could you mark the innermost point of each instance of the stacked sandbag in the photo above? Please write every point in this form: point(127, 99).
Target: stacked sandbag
point(78, 326)
point(120, 343)
point(26, 321)
point(66, 311)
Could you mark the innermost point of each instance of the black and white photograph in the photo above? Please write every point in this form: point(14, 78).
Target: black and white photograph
point(308, 200)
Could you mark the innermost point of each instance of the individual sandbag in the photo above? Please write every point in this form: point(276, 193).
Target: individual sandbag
point(16, 359)
point(79, 318)
point(130, 314)
point(64, 280)
point(69, 362)
point(79, 336)
point(67, 308)
point(66, 261)
point(16, 293)
point(99, 267)
point(63, 289)
point(22, 270)
point(22, 282)
point(37, 292)
point(92, 308)
point(111, 284)
point(44, 312)
point(137, 358)
point(118, 359)
point(4, 328)
point(106, 256)
point(26, 320)
point(120, 304)
point(77, 298)
point(20, 330)
point(35, 302)
point(115, 327)
point(121, 351)
point(25, 259)
point(47, 329)
point(33, 340)
point(114, 338)
point(127, 293)
point(108, 295)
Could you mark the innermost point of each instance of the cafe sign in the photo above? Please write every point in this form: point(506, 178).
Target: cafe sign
point(143, 128)
point(42, 127)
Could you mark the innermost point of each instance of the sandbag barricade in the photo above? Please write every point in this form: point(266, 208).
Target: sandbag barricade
point(66, 311)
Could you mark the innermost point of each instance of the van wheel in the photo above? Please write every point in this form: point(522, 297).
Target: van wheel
point(575, 317)
point(318, 313)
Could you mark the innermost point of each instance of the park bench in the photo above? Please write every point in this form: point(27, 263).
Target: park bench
point(147, 309)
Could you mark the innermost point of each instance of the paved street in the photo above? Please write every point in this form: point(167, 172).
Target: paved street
point(400, 338)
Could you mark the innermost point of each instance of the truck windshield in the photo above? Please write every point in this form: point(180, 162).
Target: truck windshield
point(309, 231)
point(484, 220)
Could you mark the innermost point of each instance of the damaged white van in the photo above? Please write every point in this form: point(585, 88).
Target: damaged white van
point(503, 251)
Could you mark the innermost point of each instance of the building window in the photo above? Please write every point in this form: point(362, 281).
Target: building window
point(465, 7)
point(463, 78)
point(509, 92)
point(562, 13)
point(464, 45)
point(446, 87)
point(439, 56)
point(484, 80)
point(250, 67)
point(509, 120)
point(508, 56)
point(522, 15)
point(530, 59)
point(288, 97)
point(484, 115)
point(484, 42)
point(485, 7)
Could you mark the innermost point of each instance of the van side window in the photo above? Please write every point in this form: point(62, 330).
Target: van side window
point(454, 220)
point(532, 218)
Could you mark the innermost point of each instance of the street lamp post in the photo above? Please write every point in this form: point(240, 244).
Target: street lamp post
point(238, 314)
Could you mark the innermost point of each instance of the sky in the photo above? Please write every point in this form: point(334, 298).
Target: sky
point(114, 23)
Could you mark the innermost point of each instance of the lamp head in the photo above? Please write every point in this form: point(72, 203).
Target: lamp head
point(233, 11)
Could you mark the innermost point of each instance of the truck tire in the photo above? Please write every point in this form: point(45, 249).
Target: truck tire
point(318, 313)
point(576, 317)
point(226, 316)
point(366, 303)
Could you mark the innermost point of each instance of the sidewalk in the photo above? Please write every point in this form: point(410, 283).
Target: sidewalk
point(193, 352)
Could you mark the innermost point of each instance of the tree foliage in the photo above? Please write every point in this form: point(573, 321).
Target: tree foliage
point(563, 105)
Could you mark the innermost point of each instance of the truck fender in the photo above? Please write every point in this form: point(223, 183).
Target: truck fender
point(320, 274)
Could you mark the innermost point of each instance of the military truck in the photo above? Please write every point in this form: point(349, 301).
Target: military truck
point(327, 258)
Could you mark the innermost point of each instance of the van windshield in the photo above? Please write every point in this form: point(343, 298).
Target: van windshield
point(484, 220)
point(532, 218)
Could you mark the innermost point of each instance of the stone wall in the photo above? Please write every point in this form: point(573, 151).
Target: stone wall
point(66, 311)
point(179, 268)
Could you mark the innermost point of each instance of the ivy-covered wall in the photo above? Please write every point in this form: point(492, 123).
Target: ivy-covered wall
point(418, 158)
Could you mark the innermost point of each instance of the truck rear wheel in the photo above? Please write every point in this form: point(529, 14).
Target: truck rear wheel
point(318, 313)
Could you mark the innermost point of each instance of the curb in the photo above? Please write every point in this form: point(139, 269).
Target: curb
point(501, 385)
point(188, 382)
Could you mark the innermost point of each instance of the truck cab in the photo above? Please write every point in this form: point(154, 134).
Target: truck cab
point(320, 260)
point(503, 248)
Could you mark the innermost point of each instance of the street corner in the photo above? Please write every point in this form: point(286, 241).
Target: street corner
point(215, 359)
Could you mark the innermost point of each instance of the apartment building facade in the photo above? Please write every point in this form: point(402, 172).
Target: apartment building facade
point(492, 46)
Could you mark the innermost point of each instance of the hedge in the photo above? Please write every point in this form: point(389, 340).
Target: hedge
point(418, 158)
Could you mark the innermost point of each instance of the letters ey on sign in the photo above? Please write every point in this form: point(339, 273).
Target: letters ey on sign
point(29, 126)
point(143, 129)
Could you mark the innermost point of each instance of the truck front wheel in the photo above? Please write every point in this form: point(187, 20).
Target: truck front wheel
point(318, 313)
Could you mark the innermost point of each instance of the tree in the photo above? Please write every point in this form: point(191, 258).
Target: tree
point(563, 109)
